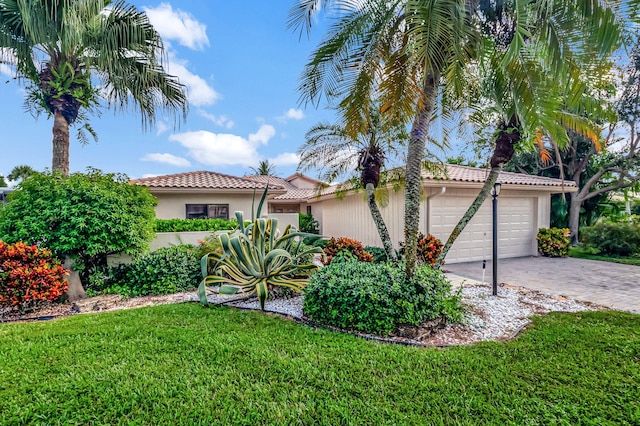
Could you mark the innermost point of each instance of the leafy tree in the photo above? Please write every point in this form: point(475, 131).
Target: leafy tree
point(3, 183)
point(88, 51)
point(335, 152)
point(83, 216)
point(264, 169)
point(20, 172)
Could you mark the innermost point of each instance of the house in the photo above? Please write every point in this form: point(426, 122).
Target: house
point(524, 206)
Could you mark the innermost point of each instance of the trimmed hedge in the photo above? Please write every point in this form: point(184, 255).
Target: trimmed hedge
point(613, 238)
point(374, 297)
point(194, 225)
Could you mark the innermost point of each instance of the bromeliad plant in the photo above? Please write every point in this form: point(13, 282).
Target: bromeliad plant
point(257, 257)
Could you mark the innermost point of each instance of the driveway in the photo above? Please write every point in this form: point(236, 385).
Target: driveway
point(605, 283)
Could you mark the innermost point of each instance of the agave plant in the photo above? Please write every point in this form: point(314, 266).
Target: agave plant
point(257, 257)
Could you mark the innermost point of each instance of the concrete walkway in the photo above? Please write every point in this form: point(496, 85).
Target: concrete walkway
point(605, 283)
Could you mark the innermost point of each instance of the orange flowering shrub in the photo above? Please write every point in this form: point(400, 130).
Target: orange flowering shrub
point(28, 275)
point(428, 250)
point(355, 247)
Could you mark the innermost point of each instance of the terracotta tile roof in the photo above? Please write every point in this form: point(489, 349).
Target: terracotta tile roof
point(297, 194)
point(272, 180)
point(203, 180)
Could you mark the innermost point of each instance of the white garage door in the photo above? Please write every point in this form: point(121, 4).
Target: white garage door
point(516, 232)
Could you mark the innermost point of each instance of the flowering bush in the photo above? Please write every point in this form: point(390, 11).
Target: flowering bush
point(554, 242)
point(336, 245)
point(428, 250)
point(29, 275)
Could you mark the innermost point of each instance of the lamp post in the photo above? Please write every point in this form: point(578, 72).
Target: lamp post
point(494, 194)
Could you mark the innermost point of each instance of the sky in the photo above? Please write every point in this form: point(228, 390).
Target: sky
point(241, 67)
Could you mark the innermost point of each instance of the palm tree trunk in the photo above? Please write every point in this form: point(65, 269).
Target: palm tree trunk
point(380, 225)
point(468, 215)
point(60, 160)
point(574, 217)
point(415, 155)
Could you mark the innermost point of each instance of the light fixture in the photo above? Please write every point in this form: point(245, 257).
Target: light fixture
point(494, 276)
point(496, 189)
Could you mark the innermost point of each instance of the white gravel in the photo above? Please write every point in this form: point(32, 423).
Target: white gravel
point(487, 317)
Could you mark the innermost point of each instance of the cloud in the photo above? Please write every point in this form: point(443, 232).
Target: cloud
point(178, 25)
point(199, 91)
point(162, 127)
point(224, 149)
point(7, 61)
point(291, 114)
point(167, 159)
point(220, 120)
point(285, 159)
point(6, 70)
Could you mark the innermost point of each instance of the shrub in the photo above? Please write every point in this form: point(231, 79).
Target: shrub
point(308, 224)
point(84, 216)
point(379, 254)
point(613, 238)
point(164, 271)
point(335, 245)
point(428, 249)
point(193, 225)
point(210, 244)
point(375, 298)
point(28, 275)
point(554, 242)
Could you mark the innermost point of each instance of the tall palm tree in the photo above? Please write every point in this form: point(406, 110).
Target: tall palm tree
point(335, 152)
point(397, 52)
point(264, 169)
point(74, 53)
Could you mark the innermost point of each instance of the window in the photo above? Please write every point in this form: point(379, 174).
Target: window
point(207, 211)
point(284, 208)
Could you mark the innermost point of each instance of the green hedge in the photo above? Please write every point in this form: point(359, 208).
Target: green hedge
point(554, 242)
point(613, 238)
point(191, 225)
point(374, 297)
point(164, 271)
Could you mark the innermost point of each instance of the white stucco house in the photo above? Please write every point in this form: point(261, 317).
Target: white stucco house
point(524, 206)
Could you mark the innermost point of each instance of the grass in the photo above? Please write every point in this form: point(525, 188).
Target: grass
point(584, 254)
point(183, 364)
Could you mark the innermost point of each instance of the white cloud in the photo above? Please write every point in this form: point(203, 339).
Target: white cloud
point(161, 127)
point(285, 159)
point(167, 159)
point(220, 120)
point(199, 91)
point(6, 70)
point(7, 61)
point(224, 149)
point(291, 114)
point(178, 25)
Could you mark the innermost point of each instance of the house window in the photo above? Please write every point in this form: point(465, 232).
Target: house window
point(284, 208)
point(207, 211)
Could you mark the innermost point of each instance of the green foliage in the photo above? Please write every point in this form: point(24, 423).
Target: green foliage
point(85, 216)
point(376, 298)
point(336, 245)
point(210, 244)
point(554, 242)
point(256, 258)
point(3, 183)
point(613, 238)
point(379, 254)
point(308, 224)
point(192, 225)
point(164, 271)
point(428, 249)
point(594, 254)
point(28, 275)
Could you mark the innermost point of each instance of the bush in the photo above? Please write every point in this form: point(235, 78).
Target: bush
point(374, 297)
point(554, 242)
point(379, 254)
point(164, 271)
point(28, 275)
point(193, 225)
point(428, 249)
point(613, 238)
point(335, 245)
point(308, 224)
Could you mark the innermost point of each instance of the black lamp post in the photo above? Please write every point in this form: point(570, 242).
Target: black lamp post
point(494, 194)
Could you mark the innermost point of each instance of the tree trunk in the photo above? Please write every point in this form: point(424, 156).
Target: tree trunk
point(76, 290)
point(60, 160)
point(415, 155)
point(574, 217)
point(380, 225)
point(468, 215)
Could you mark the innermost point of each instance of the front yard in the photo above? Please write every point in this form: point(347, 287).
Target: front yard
point(183, 364)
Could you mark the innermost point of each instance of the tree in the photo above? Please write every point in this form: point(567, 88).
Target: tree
point(20, 172)
point(264, 169)
point(396, 53)
point(89, 51)
point(332, 149)
point(83, 216)
point(3, 183)
point(532, 78)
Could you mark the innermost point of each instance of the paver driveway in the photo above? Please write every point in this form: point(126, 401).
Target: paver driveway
point(605, 283)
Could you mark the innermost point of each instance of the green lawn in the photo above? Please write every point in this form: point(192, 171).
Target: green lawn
point(183, 364)
point(582, 254)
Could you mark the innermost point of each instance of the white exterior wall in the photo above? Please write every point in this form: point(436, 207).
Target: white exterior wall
point(172, 205)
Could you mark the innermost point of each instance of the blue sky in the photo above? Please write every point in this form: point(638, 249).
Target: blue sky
point(242, 68)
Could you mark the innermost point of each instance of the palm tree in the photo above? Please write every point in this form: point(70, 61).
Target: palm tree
point(397, 53)
point(74, 53)
point(264, 169)
point(20, 172)
point(332, 149)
